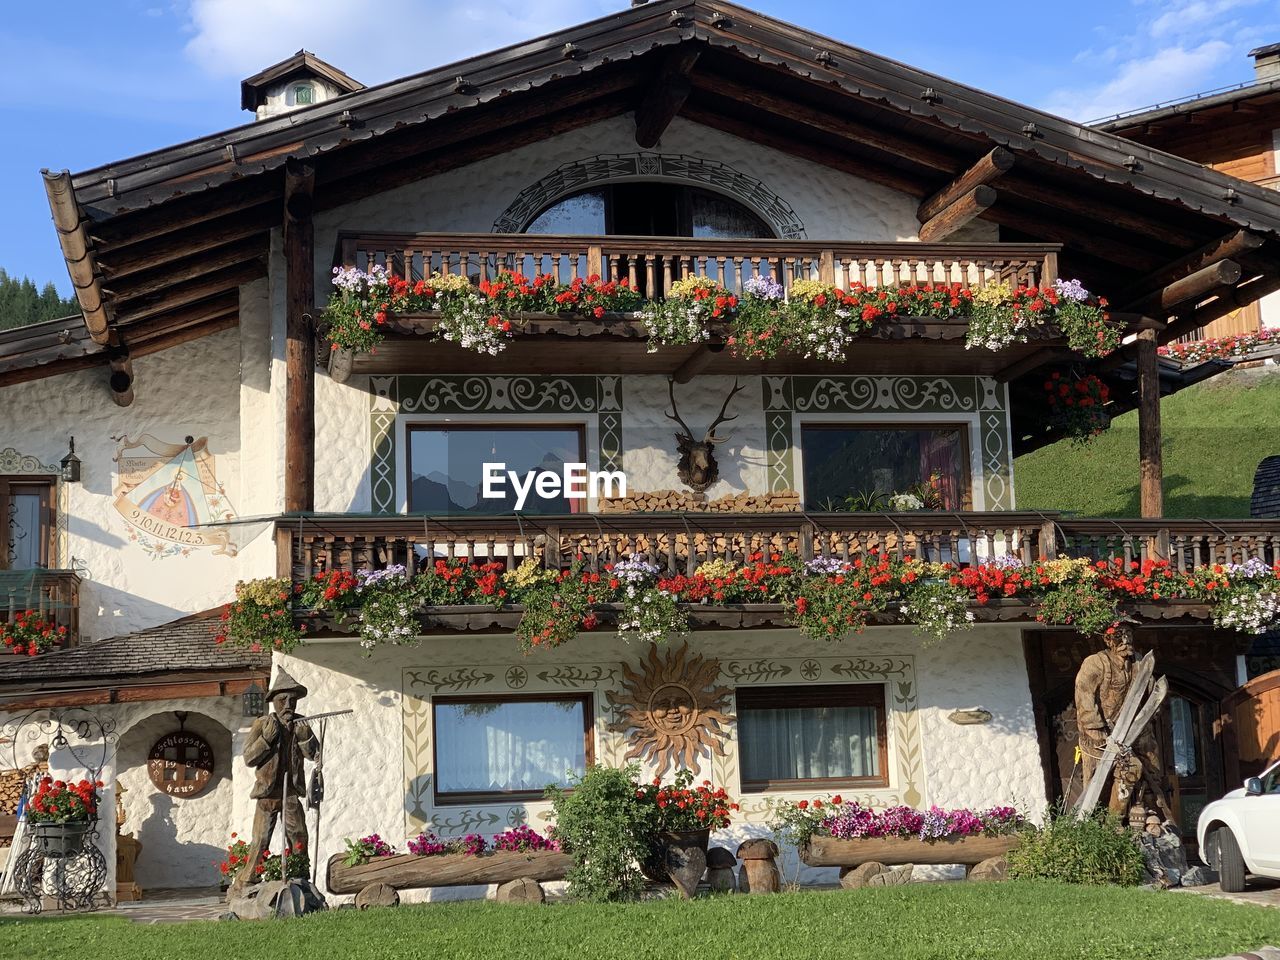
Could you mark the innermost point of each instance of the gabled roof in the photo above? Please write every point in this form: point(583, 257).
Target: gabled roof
point(302, 63)
point(165, 233)
point(1255, 94)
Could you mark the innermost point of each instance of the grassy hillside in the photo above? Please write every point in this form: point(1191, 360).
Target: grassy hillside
point(1214, 435)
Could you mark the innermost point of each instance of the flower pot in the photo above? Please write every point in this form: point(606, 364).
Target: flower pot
point(685, 858)
point(58, 840)
point(654, 866)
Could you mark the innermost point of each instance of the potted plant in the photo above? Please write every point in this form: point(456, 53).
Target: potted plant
point(62, 815)
point(684, 816)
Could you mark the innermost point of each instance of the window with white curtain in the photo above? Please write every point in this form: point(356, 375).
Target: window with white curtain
point(509, 748)
point(823, 735)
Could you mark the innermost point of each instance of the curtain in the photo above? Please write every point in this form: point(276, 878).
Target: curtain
point(487, 746)
point(23, 534)
point(803, 743)
point(940, 454)
point(1184, 736)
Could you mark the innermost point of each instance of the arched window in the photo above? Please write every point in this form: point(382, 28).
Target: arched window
point(303, 94)
point(649, 209)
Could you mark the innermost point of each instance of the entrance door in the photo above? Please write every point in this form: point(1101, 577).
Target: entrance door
point(1187, 749)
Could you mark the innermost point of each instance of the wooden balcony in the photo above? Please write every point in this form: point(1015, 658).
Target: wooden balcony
point(679, 542)
point(54, 595)
point(652, 264)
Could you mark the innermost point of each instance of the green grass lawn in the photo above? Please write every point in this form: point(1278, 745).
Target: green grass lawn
point(1214, 435)
point(1039, 921)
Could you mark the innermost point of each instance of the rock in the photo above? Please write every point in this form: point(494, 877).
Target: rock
point(893, 877)
point(276, 898)
point(520, 890)
point(1165, 858)
point(992, 868)
point(854, 878)
point(1261, 953)
point(1199, 876)
point(377, 895)
point(686, 863)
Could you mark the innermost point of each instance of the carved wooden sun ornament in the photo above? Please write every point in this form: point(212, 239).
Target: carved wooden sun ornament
point(672, 710)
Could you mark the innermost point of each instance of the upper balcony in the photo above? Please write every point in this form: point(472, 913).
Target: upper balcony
point(652, 264)
point(52, 595)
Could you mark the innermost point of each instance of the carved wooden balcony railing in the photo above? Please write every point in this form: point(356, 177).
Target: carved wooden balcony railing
point(679, 542)
point(652, 264)
point(54, 595)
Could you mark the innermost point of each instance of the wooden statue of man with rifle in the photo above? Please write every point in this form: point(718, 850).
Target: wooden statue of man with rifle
point(275, 748)
point(1114, 724)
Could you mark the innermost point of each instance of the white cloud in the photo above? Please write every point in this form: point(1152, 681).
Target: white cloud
point(1162, 75)
point(1176, 48)
point(373, 42)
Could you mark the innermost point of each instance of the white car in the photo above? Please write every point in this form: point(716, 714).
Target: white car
point(1241, 832)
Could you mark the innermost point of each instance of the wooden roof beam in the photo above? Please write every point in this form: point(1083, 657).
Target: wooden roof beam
point(1044, 228)
point(197, 265)
point(963, 209)
point(1232, 246)
point(1196, 286)
point(1229, 300)
point(77, 251)
point(833, 124)
point(183, 294)
point(120, 379)
point(118, 261)
point(989, 167)
point(669, 91)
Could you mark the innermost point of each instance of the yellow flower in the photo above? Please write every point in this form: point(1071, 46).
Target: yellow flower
point(449, 283)
point(264, 591)
point(530, 573)
point(1065, 569)
point(718, 569)
point(994, 294)
point(809, 289)
point(687, 286)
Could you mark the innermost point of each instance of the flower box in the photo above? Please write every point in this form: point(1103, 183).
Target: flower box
point(408, 871)
point(829, 852)
point(59, 839)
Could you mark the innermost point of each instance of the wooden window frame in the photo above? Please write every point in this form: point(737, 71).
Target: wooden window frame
point(461, 798)
point(578, 427)
point(46, 486)
point(684, 199)
point(959, 426)
point(873, 695)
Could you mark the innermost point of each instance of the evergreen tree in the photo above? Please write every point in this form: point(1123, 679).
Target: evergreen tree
point(21, 302)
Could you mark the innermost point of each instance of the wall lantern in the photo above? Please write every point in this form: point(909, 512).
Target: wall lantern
point(71, 465)
point(254, 701)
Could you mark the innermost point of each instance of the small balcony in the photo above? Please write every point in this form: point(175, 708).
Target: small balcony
point(652, 264)
point(53, 595)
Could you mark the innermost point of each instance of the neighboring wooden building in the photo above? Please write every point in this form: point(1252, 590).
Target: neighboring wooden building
point(1235, 131)
point(216, 445)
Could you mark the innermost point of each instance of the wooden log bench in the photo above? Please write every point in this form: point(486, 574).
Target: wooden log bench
point(408, 871)
point(966, 851)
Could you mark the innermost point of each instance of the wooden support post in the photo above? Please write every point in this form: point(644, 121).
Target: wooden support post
point(990, 167)
point(670, 89)
point(955, 215)
point(1152, 466)
point(120, 379)
point(300, 343)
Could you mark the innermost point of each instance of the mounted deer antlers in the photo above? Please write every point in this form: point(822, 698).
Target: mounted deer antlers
point(697, 468)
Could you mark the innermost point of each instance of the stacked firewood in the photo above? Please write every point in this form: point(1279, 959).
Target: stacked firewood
point(678, 500)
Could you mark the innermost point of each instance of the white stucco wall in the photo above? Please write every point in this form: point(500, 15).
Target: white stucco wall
point(373, 758)
point(191, 390)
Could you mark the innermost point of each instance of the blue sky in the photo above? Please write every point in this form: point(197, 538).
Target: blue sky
point(107, 79)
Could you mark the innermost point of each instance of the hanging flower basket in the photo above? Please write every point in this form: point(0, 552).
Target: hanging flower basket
point(57, 840)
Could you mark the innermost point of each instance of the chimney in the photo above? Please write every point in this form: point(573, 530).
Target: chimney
point(1266, 62)
point(302, 80)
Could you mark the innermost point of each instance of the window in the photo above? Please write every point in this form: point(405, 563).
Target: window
point(846, 460)
point(446, 466)
point(509, 748)
point(303, 95)
point(26, 509)
point(650, 209)
point(824, 735)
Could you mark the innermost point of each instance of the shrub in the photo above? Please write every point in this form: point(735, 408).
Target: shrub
point(607, 829)
point(1096, 850)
